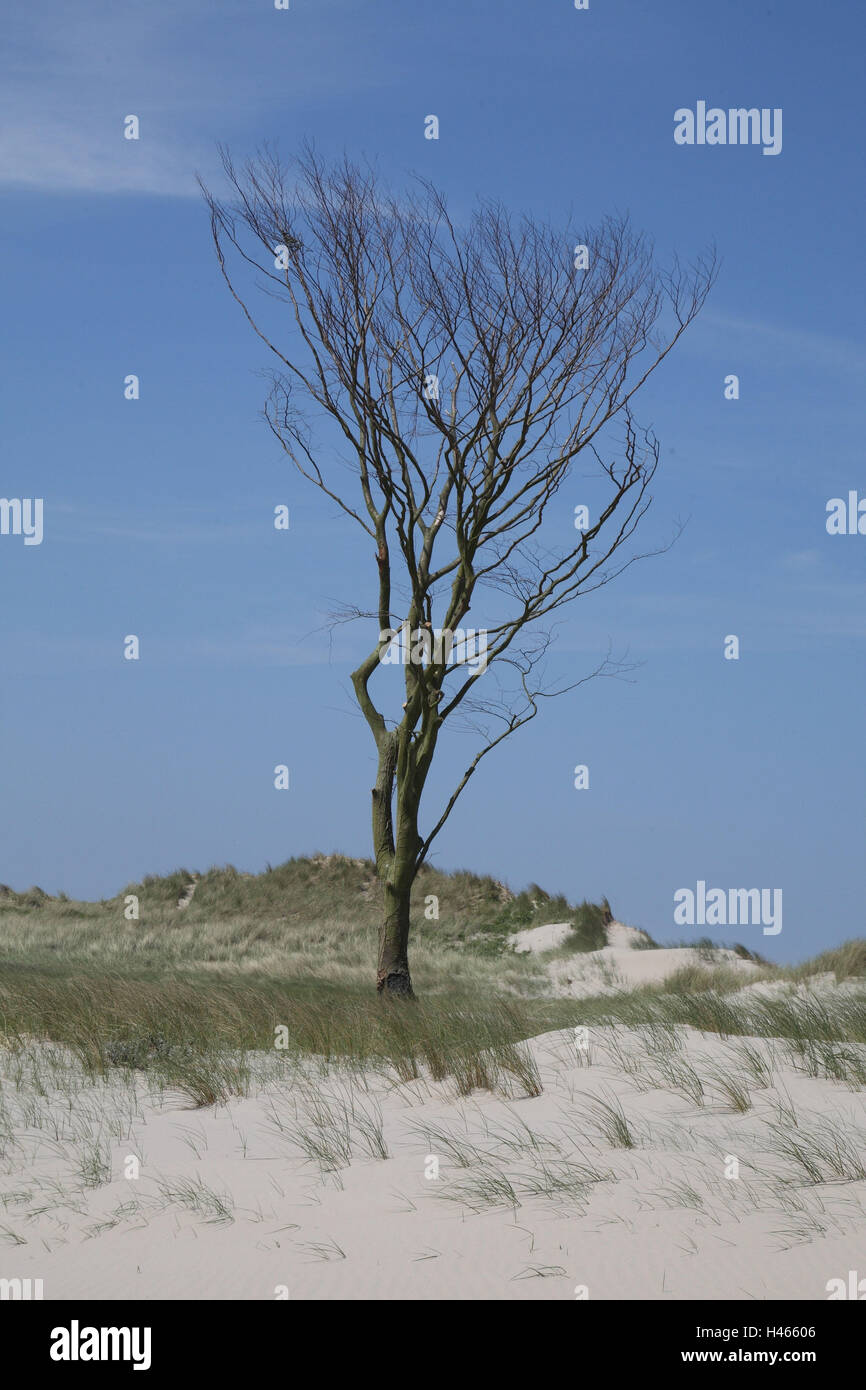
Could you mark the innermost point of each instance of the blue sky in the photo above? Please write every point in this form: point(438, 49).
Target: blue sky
point(158, 511)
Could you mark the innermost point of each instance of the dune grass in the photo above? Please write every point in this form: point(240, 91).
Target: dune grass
point(279, 965)
point(195, 1034)
point(315, 916)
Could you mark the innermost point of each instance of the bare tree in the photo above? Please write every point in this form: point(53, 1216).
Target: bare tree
point(466, 367)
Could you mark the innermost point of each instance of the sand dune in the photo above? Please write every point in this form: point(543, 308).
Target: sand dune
point(624, 963)
point(532, 1199)
point(657, 1163)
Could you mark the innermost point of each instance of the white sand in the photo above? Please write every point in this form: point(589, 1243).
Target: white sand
point(621, 965)
point(663, 1221)
point(540, 939)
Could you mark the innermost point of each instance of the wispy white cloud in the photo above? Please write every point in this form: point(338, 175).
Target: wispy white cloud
point(780, 343)
point(91, 160)
point(194, 74)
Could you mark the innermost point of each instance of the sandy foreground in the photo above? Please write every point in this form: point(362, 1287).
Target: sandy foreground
point(478, 1197)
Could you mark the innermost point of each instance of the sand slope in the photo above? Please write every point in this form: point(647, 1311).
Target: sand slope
point(622, 964)
point(660, 1220)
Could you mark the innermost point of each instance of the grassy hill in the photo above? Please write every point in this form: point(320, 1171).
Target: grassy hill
point(309, 916)
point(285, 959)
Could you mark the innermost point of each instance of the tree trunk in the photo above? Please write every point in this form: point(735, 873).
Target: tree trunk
point(392, 975)
point(396, 849)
